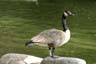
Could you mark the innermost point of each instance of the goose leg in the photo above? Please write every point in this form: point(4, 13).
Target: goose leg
point(50, 54)
point(51, 51)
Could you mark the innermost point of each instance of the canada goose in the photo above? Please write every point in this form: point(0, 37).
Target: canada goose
point(53, 37)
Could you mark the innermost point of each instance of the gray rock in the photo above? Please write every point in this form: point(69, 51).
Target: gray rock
point(14, 58)
point(17, 62)
point(63, 60)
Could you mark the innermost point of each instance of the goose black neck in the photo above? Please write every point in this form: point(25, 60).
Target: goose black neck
point(65, 27)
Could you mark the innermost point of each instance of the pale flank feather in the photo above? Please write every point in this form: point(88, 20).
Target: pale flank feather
point(67, 37)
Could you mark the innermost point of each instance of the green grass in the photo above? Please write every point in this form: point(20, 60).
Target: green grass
point(21, 20)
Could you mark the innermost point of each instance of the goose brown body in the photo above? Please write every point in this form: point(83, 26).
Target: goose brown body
point(51, 37)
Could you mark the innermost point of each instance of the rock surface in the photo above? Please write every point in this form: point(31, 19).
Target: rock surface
point(63, 60)
point(14, 58)
point(16, 62)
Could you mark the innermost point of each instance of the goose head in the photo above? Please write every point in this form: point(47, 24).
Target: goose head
point(68, 13)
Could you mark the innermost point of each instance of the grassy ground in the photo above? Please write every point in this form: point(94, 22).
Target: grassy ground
point(19, 21)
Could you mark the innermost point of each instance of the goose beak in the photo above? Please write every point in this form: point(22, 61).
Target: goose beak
point(29, 44)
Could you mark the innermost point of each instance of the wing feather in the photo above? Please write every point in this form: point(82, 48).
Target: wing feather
point(42, 39)
point(50, 36)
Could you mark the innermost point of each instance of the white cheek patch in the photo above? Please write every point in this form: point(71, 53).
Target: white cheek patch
point(65, 14)
point(69, 12)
